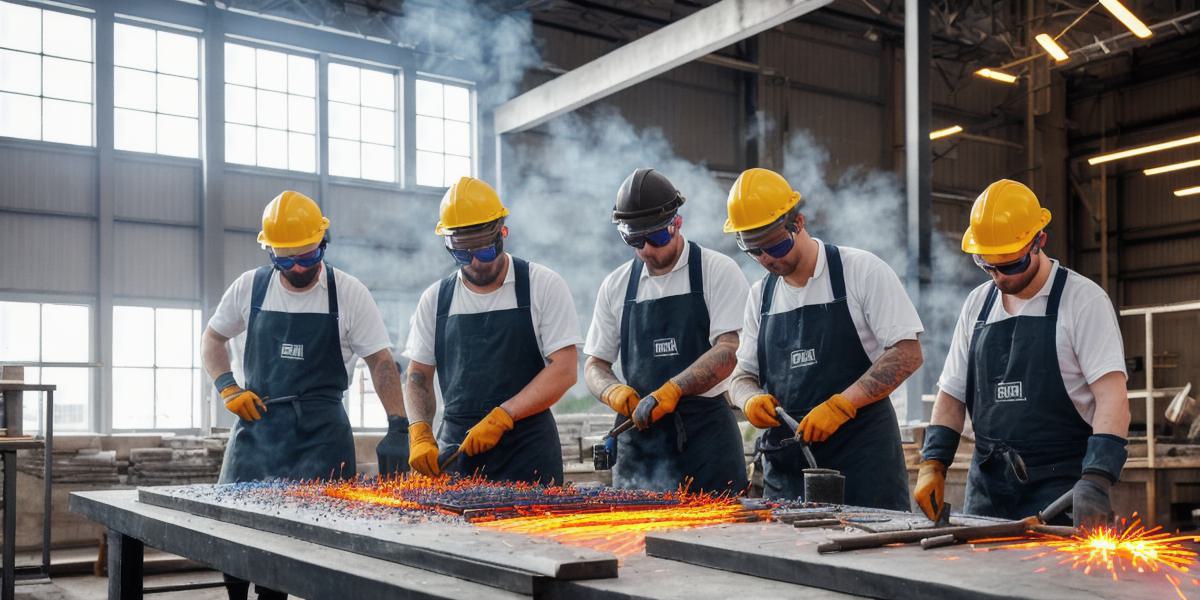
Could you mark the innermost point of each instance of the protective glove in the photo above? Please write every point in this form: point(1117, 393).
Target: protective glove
point(822, 421)
point(423, 449)
point(930, 492)
point(487, 433)
point(1090, 504)
point(621, 398)
point(666, 398)
point(392, 450)
point(243, 403)
point(760, 411)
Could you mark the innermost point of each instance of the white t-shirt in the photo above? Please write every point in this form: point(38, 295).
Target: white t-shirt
point(1088, 337)
point(725, 291)
point(360, 323)
point(554, 320)
point(880, 308)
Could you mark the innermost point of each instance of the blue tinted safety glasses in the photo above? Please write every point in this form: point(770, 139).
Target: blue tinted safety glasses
point(308, 259)
point(1011, 268)
point(777, 250)
point(486, 254)
point(657, 238)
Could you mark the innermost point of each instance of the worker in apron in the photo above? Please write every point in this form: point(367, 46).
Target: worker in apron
point(306, 324)
point(500, 334)
point(672, 314)
point(828, 334)
point(1037, 362)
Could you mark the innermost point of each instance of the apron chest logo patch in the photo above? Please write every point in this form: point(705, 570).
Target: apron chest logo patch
point(1010, 391)
point(666, 347)
point(292, 351)
point(804, 358)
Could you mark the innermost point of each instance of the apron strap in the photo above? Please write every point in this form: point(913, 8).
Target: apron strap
point(521, 279)
point(258, 292)
point(444, 299)
point(695, 273)
point(631, 291)
point(331, 284)
point(837, 277)
point(1060, 281)
point(768, 294)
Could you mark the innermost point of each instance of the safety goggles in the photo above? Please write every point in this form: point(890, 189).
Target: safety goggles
point(657, 238)
point(305, 260)
point(485, 254)
point(1015, 267)
point(777, 250)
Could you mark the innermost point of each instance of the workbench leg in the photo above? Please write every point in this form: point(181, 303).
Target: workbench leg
point(124, 567)
point(10, 525)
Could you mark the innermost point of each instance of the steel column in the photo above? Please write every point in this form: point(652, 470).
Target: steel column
point(918, 163)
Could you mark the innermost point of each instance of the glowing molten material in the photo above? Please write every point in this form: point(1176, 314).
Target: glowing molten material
point(1131, 550)
point(602, 518)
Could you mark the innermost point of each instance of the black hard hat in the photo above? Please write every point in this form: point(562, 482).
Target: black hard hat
point(647, 200)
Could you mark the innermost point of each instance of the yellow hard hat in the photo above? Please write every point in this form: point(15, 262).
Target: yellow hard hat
point(468, 202)
point(1004, 219)
point(292, 220)
point(757, 199)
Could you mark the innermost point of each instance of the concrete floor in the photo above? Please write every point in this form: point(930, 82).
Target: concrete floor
point(90, 587)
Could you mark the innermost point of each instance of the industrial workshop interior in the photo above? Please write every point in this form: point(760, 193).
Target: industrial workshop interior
point(592, 299)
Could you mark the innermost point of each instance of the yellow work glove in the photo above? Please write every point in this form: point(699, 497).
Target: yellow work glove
point(423, 449)
point(621, 398)
point(666, 399)
point(760, 411)
point(822, 421)
point(930, 492)
point(487, 433)
point(243, 403)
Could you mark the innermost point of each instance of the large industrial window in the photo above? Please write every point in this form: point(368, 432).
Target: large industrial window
point(444, 133)
point(54, 342)
point(156, 91)
point(46, 86)
point(270, 108)
point(362, 403)
point(156, 368)
point(362, 123)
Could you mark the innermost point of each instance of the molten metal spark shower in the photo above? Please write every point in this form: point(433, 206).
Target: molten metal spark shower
point(1119, 551)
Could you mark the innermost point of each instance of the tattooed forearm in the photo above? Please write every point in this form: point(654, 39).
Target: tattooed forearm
point(893, 367)
point(385, 377)
point(418, 397)
point(711, 368)
point(743, 387)
point(598, 375)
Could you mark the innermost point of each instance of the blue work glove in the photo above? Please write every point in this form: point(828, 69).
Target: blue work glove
point(392, 450)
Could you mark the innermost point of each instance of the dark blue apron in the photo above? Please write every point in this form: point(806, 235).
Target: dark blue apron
point(700, 441)
point(804, 357)
point(1029, 438)
point(484, 359)
point(297, 358)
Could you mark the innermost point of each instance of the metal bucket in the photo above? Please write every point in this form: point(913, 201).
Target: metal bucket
point(824, 485)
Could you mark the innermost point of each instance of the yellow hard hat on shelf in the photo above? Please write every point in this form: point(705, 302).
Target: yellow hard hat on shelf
point(757, 199)
point(1004, 219)
point(468, 202)
point(292, 220)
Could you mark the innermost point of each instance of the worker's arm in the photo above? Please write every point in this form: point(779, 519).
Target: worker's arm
point(948, 411)
point(1112, 405)
point(547, 387)
point(419, 400)
point(894, 366)
point(386, 379)
point(743, 387)
point(711, 368)
point(941, 443)
point(214, 353)
point(598, 375)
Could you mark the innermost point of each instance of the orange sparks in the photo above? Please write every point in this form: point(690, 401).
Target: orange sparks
point(623, 532)
point(1133, 549)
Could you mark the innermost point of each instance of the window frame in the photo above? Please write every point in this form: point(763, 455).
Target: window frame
point(202, 386)
point(201, 116)
point(398, 112)
point(74, 10)
point(473, 96)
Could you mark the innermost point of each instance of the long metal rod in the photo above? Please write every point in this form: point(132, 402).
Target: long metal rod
point(918, 165)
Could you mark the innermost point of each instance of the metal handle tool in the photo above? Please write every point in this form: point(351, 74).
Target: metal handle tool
point(795, 427)
point(450, 459)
